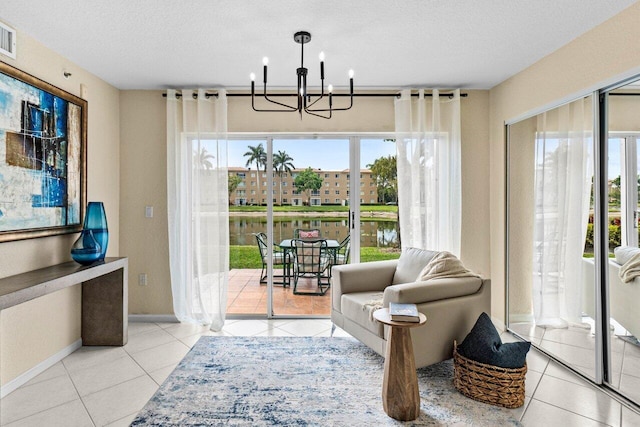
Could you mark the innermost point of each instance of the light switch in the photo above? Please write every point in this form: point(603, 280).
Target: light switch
point(148, 211)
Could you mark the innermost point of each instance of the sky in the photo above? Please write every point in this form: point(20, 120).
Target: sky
point(613, 156)
point(614, 167)
point(325, 154)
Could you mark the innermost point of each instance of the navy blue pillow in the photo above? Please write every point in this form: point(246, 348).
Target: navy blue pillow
point(483, 344)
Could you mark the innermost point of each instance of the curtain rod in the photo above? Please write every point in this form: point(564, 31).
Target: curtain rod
point(361, 95)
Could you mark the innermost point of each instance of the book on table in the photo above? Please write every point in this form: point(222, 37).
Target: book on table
point(403, 312)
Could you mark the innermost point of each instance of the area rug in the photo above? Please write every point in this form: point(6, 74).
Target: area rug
point(298, 381)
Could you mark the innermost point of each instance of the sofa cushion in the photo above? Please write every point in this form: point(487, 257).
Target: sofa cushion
point(410, 264)
point(625, 253)
point(483, 344)
point(353, 308)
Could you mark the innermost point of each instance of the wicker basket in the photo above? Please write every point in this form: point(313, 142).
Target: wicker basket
point(487, 383)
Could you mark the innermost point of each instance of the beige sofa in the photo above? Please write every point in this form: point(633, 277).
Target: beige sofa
point(452, 306)
point(624, 297)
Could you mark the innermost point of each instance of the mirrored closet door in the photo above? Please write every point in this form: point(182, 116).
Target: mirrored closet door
point(622, 133)
point(572, 234)
point(551, 275)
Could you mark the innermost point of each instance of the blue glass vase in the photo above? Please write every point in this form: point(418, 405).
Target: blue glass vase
point(96, 220)
point(86, 250)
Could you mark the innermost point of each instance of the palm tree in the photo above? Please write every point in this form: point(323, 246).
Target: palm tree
point(282, 163)
point(202, 158)
point(259, 156)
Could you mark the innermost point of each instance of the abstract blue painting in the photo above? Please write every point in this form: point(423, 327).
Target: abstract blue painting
point(42, 157)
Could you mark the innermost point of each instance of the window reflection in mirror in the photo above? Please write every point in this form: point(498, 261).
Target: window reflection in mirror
point(551, 286)
point(623, 134)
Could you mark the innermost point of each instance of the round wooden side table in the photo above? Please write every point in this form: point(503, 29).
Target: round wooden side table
point(400, 394)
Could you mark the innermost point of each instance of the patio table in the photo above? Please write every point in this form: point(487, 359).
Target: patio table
point(287, 246)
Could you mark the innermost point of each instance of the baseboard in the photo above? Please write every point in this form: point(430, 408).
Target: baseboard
point(38, 369)
point(499, 324)
point(162, 318)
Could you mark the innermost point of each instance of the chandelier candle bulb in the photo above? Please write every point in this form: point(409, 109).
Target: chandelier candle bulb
point(351, 81)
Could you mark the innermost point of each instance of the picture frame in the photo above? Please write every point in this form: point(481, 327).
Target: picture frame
point(43, 157)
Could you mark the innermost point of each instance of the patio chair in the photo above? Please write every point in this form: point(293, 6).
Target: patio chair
point(279, 258)
point(311, 259)
point(312, 233)
point(342, 253)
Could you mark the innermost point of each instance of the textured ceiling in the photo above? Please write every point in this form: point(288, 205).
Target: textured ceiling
point(153, 44)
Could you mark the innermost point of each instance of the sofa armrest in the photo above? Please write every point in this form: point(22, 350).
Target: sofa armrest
point(432, 290)
point(364, 277)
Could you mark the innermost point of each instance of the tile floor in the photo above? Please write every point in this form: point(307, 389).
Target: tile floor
point(106, 386)
point(575, 345)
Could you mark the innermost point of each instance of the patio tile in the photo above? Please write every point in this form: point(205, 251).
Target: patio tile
point(247, 296)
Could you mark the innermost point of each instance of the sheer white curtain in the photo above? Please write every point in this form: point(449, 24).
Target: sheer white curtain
point(429, 170)
point(562, 185)
point(198, 209)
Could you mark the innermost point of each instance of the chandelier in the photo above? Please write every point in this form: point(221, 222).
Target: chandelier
point(306, 101)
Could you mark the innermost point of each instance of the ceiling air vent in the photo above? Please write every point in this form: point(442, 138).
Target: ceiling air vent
point(7, 41)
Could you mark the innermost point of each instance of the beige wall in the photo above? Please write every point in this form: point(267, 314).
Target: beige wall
point(143, 174)
point(607, 52)
point(624, 113)
point(61, 326)
point(38, 329)
point(521, 218)
point(143, 163)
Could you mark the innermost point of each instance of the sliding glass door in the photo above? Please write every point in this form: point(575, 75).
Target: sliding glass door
point(311, 202)
point(248, 258)
point(377, 193)
point(340, 188)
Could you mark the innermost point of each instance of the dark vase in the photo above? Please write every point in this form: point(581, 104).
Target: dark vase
point(96, 220)
point(86, 249)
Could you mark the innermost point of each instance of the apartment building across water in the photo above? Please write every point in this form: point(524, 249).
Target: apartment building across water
point(252, 190)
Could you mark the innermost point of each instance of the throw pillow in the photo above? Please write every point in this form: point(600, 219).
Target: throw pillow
point(411, 262)
point(308, 234)
point(483, 344)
